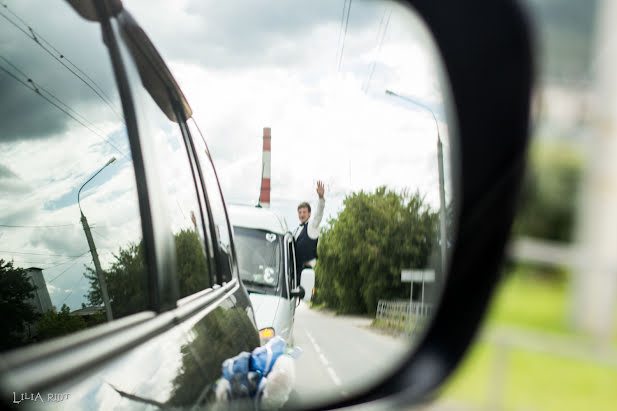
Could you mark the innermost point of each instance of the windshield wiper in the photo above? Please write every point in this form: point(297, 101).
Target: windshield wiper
point(258, 287)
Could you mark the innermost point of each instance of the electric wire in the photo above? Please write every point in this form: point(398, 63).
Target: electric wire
point(67, 268)
point(63, 110)
point(39, 226)
point(71, 293)
point(39, 87)
point(377, 54)
point(54, 264)
point(36, 36)
point(344, 36)
point(340, 32)
point(98, 234)
point(46, 254)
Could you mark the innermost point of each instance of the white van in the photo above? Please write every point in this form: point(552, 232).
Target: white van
point(266, 259)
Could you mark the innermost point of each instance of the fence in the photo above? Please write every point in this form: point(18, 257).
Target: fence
point(402, 315)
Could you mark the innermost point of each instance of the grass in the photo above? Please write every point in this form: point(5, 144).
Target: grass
point(531, 380)
point(528, 301)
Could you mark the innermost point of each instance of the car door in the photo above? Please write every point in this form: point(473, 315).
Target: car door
point(160, 311)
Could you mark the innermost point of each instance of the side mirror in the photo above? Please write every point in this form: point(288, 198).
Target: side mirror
point(298, 292)
point(307, 282)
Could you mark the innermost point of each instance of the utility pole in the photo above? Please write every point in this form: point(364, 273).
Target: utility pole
point(95, 255)
point(442, 207)
point(97, 267)
point(442, 193)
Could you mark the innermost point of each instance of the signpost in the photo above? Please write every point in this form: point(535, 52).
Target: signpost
point(416, 276)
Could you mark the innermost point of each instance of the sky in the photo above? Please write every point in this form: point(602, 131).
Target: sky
point(293, 68)
point(277, 64)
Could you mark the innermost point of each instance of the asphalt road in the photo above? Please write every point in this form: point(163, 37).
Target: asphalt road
point(340, 354)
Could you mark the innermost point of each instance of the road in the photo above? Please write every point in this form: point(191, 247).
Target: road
point(340, 354)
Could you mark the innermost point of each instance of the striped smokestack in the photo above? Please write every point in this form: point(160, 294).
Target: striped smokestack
point(264, 196)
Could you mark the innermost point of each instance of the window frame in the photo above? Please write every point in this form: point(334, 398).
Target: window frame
point(290, 264)
point(204, 191)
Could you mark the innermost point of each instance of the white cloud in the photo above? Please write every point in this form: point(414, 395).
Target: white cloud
point(277, 70)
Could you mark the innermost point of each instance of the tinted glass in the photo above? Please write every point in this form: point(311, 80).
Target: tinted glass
point(259, 257)
point(70, 232)
point(291, 266)
point(354, 96)
point(173, 168)
point(217, 206)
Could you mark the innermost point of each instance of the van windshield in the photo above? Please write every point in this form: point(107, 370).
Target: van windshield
point(259, 257)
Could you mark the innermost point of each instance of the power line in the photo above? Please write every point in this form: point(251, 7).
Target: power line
point(64, 262)
point(99, 234)
point(39, 226)
point(340, 32)
point(53, 263)
point(46, 254)
point(379, 44)
point(344, 36)
point(36, 36)
point(67, 268)
point(35, 90)
point(76, 285)
point(38, 87)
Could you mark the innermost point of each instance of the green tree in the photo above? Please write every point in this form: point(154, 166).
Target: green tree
point(53, 324)
point(362, 251)
point(193, 273)
point(126, 282)
point(126, 276)
point(16, 312)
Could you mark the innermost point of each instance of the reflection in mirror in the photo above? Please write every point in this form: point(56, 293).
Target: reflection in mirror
point(71, 255)
point(353, 96)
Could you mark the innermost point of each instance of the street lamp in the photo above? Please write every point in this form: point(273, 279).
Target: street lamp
point(442, 194)
point(95, 256)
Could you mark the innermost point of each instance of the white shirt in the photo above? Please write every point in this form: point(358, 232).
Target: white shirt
point(313, 222)
point(312, 228)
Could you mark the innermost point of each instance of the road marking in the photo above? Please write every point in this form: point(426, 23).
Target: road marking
point(323, 359)
point(334, 376)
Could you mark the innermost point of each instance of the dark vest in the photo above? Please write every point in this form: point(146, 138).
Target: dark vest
point(306, 247)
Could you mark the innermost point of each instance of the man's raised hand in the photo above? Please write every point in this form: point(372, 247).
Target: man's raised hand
point(320, 189)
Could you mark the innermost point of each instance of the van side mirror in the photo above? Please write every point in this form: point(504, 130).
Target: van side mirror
point(307, 281)
point(298, 292)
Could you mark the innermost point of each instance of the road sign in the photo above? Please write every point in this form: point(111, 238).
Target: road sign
point(427, 276)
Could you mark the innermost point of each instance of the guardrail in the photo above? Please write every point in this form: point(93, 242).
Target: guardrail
point(402, 315)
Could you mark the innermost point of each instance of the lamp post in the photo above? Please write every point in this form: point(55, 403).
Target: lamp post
point(95, 256)
point(442, 193)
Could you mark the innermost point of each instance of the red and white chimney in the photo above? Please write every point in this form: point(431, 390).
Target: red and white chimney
point(264, 196)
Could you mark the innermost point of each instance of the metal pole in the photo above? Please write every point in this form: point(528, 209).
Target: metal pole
point(410, 302)
point(97, 266)
point(422, 295)
point(442, 206)
point(95, 255)
point(442, 193)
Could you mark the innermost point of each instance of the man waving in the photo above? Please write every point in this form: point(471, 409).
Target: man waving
point(307, 233)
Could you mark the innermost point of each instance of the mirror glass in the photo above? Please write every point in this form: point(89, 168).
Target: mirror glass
point(348, 93)
point(342, 100)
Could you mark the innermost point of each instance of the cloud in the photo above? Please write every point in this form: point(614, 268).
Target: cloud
point(11, 183)
point(57, 66)
point(242, 67)
point(237, 34)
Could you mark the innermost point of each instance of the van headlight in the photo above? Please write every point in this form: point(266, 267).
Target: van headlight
point(265, 334)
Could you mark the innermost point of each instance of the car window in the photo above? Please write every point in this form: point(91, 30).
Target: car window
point(259, 257)
point(222, 235)
point(173, 167)
point(291, 265)
point(71, 253)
